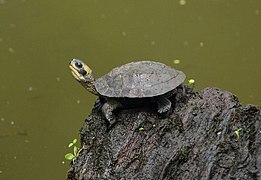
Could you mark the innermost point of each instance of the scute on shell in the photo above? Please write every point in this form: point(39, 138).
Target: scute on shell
point(139, 79)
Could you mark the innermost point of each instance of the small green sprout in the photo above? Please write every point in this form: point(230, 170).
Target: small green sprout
point(191, 81)
point(72, 143)
point(237, 132)
point(76, 150)
point(141, 129)
point(84, 171)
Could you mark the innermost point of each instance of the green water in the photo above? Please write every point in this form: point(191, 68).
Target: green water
point(42, 107)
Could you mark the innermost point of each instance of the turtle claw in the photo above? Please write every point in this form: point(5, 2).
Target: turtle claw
point(109, 116)
point(164, 105)
point(97, 104)
point(164, 109)
point(108, 109)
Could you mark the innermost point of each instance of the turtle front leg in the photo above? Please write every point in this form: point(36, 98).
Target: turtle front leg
point(108, 108)
point(99, 103)
point(164, 104)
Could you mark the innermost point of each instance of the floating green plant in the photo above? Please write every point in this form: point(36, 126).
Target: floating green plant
point(191, 81)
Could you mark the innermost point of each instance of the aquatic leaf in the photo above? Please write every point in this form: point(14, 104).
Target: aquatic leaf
point(70, 145)
point(191, 81)
point(74, 141)
point(69, 156)
point(176, 61)
point(75, 150)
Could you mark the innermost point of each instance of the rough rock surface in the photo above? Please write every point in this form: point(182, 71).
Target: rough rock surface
point(196, 141)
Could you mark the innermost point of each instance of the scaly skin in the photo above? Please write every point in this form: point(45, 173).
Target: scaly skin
point(83, 74)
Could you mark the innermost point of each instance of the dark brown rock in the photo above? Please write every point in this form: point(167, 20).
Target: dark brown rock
point(196, 141)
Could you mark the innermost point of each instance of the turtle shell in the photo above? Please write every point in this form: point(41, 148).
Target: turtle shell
point(139, 80)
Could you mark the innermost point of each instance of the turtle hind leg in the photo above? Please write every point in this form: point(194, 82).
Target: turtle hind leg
point(164, 105)
point(108, 108)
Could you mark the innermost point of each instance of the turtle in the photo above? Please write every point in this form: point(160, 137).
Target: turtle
point(132, 84)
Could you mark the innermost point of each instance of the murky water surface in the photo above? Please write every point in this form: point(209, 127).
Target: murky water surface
point(42, 107)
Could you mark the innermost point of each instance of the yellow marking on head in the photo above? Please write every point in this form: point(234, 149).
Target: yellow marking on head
point(86, 68)
point(83, 74)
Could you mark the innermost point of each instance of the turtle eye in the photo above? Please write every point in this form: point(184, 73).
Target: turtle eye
point(78, 65)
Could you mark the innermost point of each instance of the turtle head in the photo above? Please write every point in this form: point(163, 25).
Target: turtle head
point(83, 74)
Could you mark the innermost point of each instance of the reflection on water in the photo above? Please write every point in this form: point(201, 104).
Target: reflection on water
point(216, 42)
